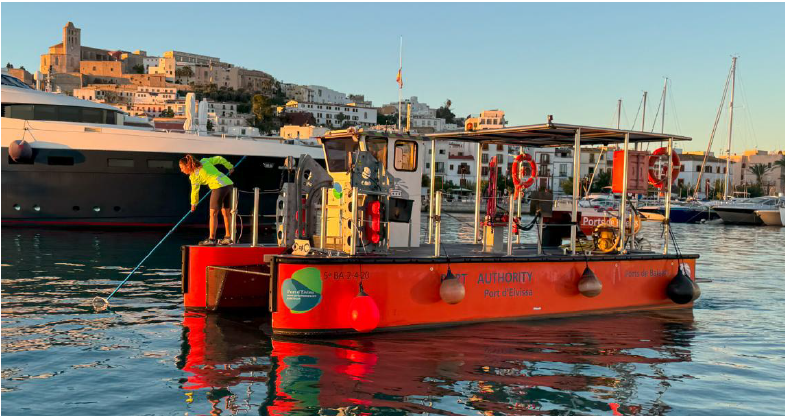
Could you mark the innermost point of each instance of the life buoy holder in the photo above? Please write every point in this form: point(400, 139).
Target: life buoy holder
point(517, 180)
point(658, 179)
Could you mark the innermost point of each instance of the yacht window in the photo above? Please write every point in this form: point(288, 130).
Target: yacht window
point(14, 82)
point(45, 112)
point(378, 147)
point(160, 164)
point(60, 160)
point(23, 111)
point(92, 115)
point(405, 156)
point(120, 163)
point(69, 114)
point(338, 152)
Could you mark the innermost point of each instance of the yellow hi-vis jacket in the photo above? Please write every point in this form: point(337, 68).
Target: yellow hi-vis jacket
point(209, 175)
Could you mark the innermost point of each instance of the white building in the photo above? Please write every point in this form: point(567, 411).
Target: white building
point(302, 132)
point(149, 61)
point(224, 117)
point(154, 95)
point(691, 166)
point(333, 115)
point(314, 94)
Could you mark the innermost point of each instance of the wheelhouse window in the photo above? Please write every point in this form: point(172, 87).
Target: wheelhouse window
point(406, 155)
point(339, 153)
point(378, 147)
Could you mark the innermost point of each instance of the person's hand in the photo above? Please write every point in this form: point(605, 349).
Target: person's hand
point(231, 171)
point(193, 208)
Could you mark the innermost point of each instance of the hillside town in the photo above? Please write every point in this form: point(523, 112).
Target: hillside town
point(252, 103)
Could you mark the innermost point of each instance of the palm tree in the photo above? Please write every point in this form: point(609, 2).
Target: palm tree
point(781, 164)
point(759, 169)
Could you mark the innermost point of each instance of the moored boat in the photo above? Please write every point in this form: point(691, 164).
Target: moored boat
point(81, 163)
point(743, 211)
point(770, 217)
point(356, 264)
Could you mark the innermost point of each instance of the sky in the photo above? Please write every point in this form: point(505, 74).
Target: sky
point(571, 60)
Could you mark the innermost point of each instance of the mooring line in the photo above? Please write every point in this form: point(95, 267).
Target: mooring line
point(106, 300)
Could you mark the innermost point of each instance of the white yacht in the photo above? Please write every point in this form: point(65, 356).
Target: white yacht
point(77, 163)
point(743, 211)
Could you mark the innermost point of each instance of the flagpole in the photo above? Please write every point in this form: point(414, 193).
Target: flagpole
point(400, 84)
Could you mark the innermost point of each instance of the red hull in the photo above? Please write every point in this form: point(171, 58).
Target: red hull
point(407, 295)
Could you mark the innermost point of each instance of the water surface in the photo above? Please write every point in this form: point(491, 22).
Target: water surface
point(147, 356)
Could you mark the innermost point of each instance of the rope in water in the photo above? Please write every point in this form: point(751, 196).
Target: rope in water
point(106, 300)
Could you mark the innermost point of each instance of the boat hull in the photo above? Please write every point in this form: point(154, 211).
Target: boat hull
point(679, 214)
point(770, 217)
point(149, 191)
point(407, 293)
point(738, 216)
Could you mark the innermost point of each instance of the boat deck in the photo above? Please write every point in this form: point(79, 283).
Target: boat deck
point(469, 253)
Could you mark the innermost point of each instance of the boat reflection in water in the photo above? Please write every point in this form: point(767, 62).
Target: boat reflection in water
point(581, 364)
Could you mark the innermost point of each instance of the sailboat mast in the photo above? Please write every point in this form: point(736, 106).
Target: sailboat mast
point(664, 96)
point(730, 124)
point(643, 120)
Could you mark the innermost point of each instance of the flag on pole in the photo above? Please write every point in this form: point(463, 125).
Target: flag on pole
point(399, 78)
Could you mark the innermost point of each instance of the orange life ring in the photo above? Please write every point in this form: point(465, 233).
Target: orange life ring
point(519, 182)
point(659, 180)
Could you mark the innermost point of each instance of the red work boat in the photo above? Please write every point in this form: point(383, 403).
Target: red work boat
point(349, 257)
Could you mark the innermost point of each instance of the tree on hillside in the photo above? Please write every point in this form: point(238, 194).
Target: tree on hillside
point(445, 112)
point(386, 120)
point(264, 113)
point(167, 113)
point(184, 72)
point(343, 120)
point(138, 69)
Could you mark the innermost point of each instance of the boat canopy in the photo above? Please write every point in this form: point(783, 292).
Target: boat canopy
point(554, 135)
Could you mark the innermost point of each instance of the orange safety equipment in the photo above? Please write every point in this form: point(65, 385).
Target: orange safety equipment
point(519, 182)
point(658, 179)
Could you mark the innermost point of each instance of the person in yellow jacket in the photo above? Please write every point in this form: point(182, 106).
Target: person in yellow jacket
point(203, 172)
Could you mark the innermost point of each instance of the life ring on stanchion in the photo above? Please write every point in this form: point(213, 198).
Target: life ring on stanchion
point(658, 177)
point(519, 182)
point(606, 237)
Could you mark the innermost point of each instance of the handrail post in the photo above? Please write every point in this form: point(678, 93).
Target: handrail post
point(576, 189)
point(623, 207)
point(438, 225)
point(255, 222)
point(233, 222)
point(433, 189)
point(355, 209)
point(509, 224)
point(539, 235)
point(323, 225)
point(477, 192)
point(520, 197)
point(668, 196)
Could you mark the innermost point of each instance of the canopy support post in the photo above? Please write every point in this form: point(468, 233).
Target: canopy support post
point(623, 207)
point(576, 193)
point(477, 192)
point(438, 225)
point(668, 196)
point(520, 196)
point(433, 187)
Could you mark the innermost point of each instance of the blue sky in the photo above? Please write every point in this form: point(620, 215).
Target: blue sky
point(570, 60)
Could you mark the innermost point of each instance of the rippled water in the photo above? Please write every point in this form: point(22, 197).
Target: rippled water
point(147, 356)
